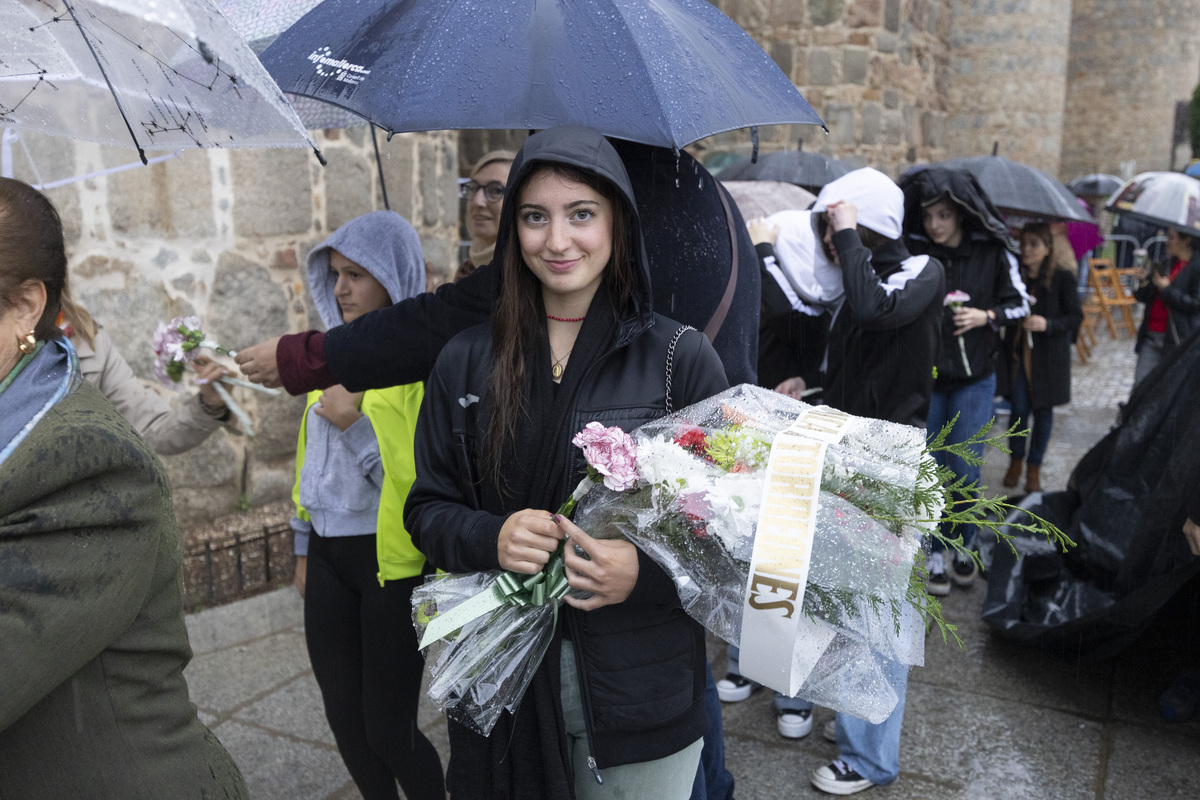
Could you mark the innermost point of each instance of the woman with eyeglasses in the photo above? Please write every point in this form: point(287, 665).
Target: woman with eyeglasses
point(484, 193)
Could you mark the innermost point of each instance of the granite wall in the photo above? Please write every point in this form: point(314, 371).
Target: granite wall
point(224, 234)
point(1130, 63)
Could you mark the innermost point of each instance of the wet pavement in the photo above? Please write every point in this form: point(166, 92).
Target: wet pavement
point(992, 721)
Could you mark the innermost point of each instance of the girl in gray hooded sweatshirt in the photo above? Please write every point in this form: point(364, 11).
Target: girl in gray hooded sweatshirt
point(356, 566)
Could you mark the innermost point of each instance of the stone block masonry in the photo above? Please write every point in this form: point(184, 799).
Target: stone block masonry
point(224, 234)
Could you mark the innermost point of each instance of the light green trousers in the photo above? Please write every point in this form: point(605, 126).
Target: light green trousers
point(668, 778)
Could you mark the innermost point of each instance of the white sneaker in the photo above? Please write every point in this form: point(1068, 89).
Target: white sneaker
point(830, 731)
point(734, 688)
point(937, 584)
point(794, 724)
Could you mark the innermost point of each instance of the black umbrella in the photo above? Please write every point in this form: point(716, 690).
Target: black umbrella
point(810, 171)
point(1098, 184)
point(1018, 189)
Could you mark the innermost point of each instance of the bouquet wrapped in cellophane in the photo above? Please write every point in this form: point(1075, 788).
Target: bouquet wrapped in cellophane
point(791, 530)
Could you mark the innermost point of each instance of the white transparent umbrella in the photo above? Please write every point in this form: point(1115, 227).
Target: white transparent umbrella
point(147, 74)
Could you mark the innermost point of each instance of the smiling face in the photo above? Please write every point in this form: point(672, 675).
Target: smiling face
point(483, 218)
point(565, 231)
point(943, 223)
point(356, 290)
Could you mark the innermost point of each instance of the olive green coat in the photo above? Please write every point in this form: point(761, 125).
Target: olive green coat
point(93, 703)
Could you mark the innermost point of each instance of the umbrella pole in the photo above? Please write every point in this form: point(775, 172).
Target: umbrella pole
point(117, 100)
point(379, 166)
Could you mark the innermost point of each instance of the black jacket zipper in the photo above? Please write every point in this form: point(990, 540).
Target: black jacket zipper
point(585, 698)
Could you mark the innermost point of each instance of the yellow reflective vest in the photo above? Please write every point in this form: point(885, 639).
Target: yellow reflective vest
point(393, 415)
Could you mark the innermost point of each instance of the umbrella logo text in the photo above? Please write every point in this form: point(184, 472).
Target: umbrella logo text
point(337, 68)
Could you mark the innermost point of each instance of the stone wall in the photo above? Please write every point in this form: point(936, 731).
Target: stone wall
point(1007, 79)
point(225, 234)
point(1130, 63)
point(873, 69)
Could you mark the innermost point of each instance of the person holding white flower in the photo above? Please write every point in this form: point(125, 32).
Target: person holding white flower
point(949, 217)
point(617, 705)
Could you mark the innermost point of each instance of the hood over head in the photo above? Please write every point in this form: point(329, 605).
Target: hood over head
point(382, 243)
point(924, 187)
point(802, 262)
point(588, 150)
point(879, 200)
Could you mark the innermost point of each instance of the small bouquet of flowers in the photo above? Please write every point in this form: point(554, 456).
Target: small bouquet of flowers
point(178, 343)
point(792, 530)
point(954, 301)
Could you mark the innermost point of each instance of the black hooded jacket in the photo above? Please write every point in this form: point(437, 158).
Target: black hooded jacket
point(641, 662)
point(883, 341)
point(983, 266)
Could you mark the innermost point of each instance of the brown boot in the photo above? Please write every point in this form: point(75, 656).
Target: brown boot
point(1033, 478)
point(1013, 476)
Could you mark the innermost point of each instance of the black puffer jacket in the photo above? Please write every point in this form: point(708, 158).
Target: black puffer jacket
point(1182, 299)
point(641, 661)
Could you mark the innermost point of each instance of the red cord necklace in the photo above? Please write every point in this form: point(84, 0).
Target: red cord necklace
point(565, 319)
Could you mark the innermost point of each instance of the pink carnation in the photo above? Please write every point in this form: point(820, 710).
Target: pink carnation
point(610, 452)
point(956, 298)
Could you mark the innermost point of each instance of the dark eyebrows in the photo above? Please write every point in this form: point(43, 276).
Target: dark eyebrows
point(570, 206)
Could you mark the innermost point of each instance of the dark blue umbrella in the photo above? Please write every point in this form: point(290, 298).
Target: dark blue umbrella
point(1017, 188)
point(661, 72)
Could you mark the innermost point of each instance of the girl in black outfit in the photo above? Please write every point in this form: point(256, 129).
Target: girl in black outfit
point(620, 692)
point(1038, 353)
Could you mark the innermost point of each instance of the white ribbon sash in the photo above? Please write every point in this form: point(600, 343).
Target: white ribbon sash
point(772, 619)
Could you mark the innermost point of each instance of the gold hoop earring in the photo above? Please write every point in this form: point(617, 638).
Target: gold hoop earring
point(27, 343)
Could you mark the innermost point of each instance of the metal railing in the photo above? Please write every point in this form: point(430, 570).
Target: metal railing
point(223, 570)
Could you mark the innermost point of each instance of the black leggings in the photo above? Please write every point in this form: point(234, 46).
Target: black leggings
point(364, 655)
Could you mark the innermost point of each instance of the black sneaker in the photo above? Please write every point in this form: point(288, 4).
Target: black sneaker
point(793, 724)
point(734, 688)
point(836, 777)
point(937, 584)
point(963, 571)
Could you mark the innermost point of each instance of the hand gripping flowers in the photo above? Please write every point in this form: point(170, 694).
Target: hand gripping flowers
point(177, 344)
point(794, 531)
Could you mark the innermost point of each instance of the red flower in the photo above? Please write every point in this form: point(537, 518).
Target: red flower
point(692, 439)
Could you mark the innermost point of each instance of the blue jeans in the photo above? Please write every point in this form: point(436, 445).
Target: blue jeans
point(1038, 421)
point(973, 405)
point(873, 751)
point(713, 781)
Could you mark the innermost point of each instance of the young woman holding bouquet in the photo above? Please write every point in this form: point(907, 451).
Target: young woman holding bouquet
point(949, 217)
point(619, 696)
point(356, 567)
point(1038, 353)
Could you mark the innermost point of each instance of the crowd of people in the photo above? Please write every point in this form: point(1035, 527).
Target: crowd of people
point(918, 305)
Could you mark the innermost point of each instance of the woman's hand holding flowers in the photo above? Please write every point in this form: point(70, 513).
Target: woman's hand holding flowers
point(1035, 323)
point(609, 571)
point(526, 541)
point(966, 318)
point(207, 373)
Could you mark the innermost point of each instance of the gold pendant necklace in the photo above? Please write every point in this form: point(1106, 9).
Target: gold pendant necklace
point(556, 370)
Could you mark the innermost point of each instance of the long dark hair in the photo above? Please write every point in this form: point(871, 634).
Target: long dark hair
point(516, 321)
point(31, 249)
point(1049, 264)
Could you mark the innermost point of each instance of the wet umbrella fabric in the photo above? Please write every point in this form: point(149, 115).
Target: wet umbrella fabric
point(660, 72)
point(764, 198)
point(260, 22)
point(1097, 184)
point(1124, 507)
point(810, 171)
point(1019, 189)
point(155, 76)
point(1167, 199)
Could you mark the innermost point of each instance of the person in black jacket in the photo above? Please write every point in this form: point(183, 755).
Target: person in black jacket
point(1037, 366)
point(573, 340)
point(1172, 298)
point(949, 217)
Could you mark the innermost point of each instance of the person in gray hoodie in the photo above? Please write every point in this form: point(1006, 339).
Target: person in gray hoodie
point(356, 566)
